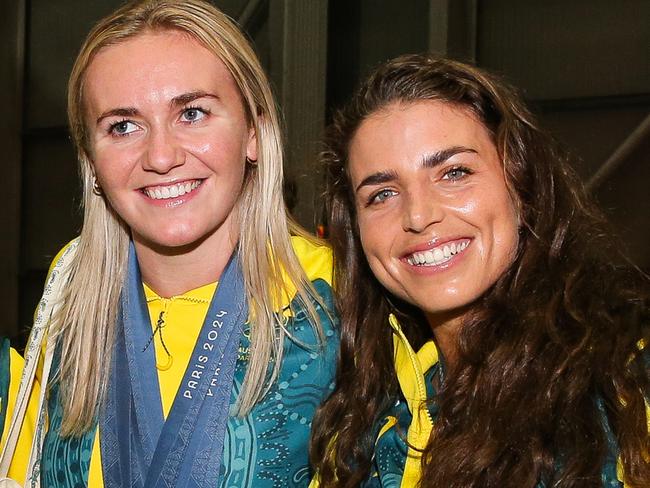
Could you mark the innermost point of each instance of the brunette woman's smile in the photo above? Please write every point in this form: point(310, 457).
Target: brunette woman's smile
point(438, 255)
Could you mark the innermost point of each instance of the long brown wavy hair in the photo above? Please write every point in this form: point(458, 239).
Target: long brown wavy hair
point(549, 348)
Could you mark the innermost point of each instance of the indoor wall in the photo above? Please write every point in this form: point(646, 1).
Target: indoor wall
point(583, 64)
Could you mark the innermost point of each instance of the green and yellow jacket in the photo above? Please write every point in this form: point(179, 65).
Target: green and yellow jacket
point(268, 448)
point(404, 430)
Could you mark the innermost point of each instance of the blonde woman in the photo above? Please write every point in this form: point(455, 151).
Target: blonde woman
point(159, 379)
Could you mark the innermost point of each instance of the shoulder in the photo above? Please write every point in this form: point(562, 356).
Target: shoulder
point(315, 257)
point(59, 266)
point(64, 253)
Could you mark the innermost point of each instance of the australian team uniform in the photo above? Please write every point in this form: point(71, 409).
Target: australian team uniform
point(168, 418)
point(404, 431)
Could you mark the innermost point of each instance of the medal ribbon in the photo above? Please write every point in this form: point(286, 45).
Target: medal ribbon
point(141, 449)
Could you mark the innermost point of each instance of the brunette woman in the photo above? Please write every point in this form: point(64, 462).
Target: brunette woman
point(492, 333)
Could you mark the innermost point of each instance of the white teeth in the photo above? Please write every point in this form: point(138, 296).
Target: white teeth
point(170, 191)
point(437, 255)
point(186, 188)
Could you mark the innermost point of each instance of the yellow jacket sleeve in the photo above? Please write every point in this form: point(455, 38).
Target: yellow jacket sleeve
point(18, 467)
point(20, 460)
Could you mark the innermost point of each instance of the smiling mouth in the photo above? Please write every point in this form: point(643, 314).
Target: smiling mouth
point(171, 191)
point(438, 255)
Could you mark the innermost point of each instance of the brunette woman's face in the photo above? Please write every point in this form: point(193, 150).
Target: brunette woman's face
point(169, 138)
point(437, 223)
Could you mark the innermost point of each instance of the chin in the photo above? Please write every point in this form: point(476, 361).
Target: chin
point(445, 301)
point(172, 242)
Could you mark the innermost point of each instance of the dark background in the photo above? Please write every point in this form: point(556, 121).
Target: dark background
point(584, 65)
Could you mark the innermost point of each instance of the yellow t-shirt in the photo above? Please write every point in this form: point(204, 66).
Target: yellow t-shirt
point(182, 318)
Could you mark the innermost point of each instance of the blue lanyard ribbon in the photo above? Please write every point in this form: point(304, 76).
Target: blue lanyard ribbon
point(141, 449)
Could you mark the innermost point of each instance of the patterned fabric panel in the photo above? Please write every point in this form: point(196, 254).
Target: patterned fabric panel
point(391, 450)
point(66, 460)
point(5, 377)
point(268, 448)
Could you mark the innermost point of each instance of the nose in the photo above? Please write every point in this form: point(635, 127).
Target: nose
point(163, 153)
point(420, 210)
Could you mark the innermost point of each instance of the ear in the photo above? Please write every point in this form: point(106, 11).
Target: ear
point(251, 146)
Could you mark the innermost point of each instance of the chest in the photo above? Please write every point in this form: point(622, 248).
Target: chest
point(267, 448)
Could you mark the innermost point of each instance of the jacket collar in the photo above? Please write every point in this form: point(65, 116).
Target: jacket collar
point(410, 367)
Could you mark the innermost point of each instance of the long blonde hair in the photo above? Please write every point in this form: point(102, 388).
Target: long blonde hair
point(85, 328)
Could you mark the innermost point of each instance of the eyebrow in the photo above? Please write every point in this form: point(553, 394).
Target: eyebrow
point(428, 161)
point(179, 100)
point(186, 98)
point(118, 112)
point(377, 179)
point(434, 159)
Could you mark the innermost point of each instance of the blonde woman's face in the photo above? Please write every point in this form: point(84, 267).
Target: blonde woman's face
point(437, 223)
point(169, 140)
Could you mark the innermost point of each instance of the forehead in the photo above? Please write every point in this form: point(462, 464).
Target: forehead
point(155, 64)
point(401, 133)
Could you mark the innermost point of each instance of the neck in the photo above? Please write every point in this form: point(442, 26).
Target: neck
point(445, 327)
point(174, 271)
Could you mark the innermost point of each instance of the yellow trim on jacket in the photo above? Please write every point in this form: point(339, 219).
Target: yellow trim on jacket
point(410, 367)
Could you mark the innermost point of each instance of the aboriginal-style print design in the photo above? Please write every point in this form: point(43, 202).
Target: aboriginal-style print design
point(5, 377)
point(65, 461)
point(268, 448)
point(265, 449)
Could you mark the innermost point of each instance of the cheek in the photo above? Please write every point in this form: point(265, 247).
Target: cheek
point(112, 173)
point(201, 148)
point(506, 236)
point(367, 241)
point(110, 162)
point(376, 245)
point(227, 154)
point(372, 238)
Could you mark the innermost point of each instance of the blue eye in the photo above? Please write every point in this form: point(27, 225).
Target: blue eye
point(456, 173)
point(381, 196)
point(193, 114)
point(123, 128)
